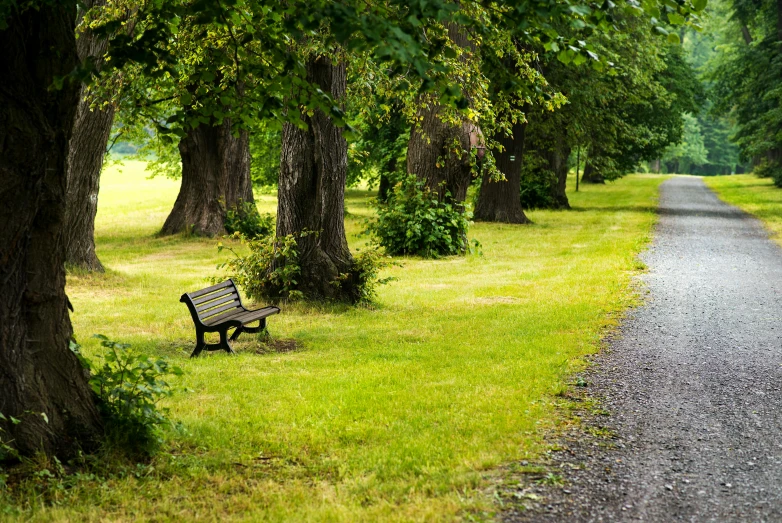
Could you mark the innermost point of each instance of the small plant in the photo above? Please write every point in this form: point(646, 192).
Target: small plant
point(270, 270)
point(415, 221)
point(130, 387)
point(6, 450)
point(245, 219)
point(365, 273)
point(551, 479)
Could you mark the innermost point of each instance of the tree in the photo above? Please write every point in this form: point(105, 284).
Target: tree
point(500, 200)
point(747, 80)
point(42, 382)
point(215, 179)
point(86, 151)
point(313, 170)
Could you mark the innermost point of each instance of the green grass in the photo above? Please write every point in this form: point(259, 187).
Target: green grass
point(757, 196)
point(400, 412)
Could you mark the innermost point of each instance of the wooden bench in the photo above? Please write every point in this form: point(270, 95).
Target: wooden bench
point(219, 308)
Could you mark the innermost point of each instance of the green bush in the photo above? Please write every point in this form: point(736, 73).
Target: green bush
point(271, 269)
point(245, 219)
point(129, 387)
point(365, 273)
point(537, 188)
point(769, 169)
point(414, 221)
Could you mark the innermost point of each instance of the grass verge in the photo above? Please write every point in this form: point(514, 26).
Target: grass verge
point(399, 412)
point(757, 196)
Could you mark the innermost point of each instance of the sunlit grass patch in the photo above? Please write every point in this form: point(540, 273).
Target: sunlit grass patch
point(397, 412)
point(757, 196)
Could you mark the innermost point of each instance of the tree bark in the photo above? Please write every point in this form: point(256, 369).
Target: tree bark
point(591, 175)
point(87, 149)
point(557, 158)
point(311, 192)
point(500, 201)
point(438, 151)
point(215, 178)
point(384, 189)
point(38, 373)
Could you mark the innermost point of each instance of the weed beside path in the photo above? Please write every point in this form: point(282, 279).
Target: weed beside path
point(400, 412)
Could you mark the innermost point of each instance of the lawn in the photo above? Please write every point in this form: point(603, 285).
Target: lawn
point(403, 411)
point(757, 196)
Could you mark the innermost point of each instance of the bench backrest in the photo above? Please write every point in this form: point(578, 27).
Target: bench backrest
point(214, 303)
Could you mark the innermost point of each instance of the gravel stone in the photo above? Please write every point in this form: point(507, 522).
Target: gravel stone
point(692, 384)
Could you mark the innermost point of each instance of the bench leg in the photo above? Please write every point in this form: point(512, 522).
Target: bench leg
point(200, 343)
point(224, 343)
point(260, 328)
point(236, 333)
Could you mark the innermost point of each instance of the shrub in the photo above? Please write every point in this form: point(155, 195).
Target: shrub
point(415, 221)
point(769, 169)
point(536, 188)
point(365, 274)
point(271, 268)
point(129, 387)
point(245, 219)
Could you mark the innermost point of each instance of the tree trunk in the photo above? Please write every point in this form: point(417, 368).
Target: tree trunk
point(311, 192)
point(39, 375)
point(592, 175)
point(86, 150)
point(500, 201)
point(439, 152)
point(215, 178)
point(557, 158)
point(384, 190)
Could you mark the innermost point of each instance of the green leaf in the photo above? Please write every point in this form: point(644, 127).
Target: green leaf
point(673, 38)
point(675, 18)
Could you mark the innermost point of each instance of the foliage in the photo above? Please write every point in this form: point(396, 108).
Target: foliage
point(690, 151)
point(746, 73)
point(365, 273)
point(270, 270)
point(536, 185)
point(265, 142)
point(6, 450)
point(247, 221)
point(129, 387)
point(414, 221)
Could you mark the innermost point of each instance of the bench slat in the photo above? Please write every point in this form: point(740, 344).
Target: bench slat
point(214, 312)
point(217, 301)
point(214, 295)
point(196, 294)
point(243, 316)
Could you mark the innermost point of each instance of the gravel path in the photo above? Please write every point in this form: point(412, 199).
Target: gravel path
point(692, 384)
